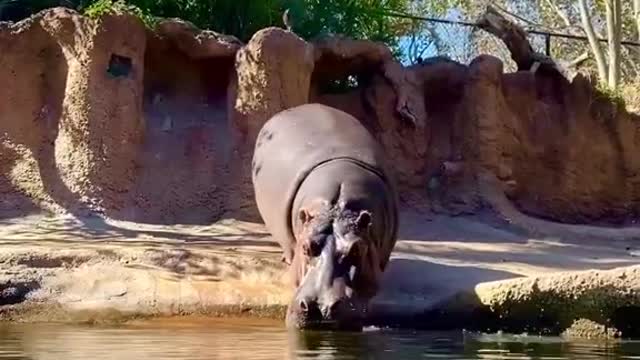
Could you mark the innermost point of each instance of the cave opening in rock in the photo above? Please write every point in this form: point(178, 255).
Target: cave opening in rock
point(342, 84)
point(119, 66)
point(186, 138)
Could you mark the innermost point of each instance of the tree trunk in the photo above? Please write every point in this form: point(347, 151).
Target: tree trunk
point(614, 33)
point(636, 13)
point(514, 37)
point(598, 54)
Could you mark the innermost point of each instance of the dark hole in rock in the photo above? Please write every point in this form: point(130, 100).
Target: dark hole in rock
point(626, 320)
point(119, 66)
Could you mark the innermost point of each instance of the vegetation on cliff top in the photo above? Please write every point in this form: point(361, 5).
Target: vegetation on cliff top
point(363, 19)
point(411, 40)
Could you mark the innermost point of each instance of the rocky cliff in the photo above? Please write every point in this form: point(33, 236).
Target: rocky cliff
point(107, 116)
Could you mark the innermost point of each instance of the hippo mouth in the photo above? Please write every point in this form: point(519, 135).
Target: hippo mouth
point(325, 298)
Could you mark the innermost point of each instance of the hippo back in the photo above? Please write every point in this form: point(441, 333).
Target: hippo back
point(295, 141)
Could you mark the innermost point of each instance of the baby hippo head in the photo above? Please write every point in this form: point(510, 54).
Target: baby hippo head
point(335, 268)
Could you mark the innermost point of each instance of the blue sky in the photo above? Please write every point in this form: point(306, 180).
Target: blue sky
point(455, 36)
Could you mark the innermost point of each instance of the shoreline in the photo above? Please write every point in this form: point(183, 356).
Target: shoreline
point(445, 273)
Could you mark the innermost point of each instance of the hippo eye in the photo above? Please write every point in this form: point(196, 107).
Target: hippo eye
point(318, 238)
point(325, 229)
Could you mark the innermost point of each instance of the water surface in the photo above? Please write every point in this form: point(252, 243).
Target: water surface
point(246, 339)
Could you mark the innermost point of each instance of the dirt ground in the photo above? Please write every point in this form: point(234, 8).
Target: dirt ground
point(63, 268)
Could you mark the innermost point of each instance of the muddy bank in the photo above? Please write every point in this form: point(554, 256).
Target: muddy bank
point(445, 272)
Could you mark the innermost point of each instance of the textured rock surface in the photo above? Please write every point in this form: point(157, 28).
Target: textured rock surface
point(196, 43)
point(566, 152)
point(273, 73)
point(158, 126)
point(183, 161)
point(74, 135)
point(554, 302)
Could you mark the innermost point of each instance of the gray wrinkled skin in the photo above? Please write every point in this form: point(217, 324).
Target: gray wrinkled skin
point(322, 188)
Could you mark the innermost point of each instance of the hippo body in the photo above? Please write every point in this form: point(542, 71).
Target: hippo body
point(317, 160)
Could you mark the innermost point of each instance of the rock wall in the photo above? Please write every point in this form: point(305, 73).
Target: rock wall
point(561, 150)
point(183, 160)
point(273, 73)
point(158, 125)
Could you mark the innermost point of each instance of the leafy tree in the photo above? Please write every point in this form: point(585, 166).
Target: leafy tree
point(242, 18)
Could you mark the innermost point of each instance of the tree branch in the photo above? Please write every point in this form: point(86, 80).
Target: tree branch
point(614, 33)
point(579, 60)
point(516, 16)
point(559, 12)
point(593, 40)
point(514, 37)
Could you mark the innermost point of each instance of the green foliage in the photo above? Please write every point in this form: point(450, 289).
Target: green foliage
point(241, 18)
point(363, 19)
point(102, 7)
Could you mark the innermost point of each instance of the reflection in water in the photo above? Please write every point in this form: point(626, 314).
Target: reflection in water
point(241, 339)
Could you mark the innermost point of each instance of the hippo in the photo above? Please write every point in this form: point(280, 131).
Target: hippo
point(323, 188)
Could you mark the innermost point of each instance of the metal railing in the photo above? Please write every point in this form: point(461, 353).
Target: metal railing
point(463, 45)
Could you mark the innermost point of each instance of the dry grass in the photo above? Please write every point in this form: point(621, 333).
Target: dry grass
point(631, 94)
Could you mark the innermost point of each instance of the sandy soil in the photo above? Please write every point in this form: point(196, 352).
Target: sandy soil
point(63, 268)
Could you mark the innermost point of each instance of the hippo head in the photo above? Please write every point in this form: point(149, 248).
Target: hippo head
point(335, 268)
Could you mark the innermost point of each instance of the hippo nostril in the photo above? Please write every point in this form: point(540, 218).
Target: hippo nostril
point(312, 249)
point(333, 309)
point(316, 249)
point(307, 306)
point(304, 306)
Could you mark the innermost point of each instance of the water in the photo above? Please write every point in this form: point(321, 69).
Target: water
point(243, 339)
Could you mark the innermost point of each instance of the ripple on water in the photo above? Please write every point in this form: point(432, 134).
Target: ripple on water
point(242, 339)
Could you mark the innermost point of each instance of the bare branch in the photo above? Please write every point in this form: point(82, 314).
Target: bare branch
point(636, 13)
point(516, 16)
point(421, 50)
point(593, 40)
point(513, 36)
point(579, 60)
point(560, 13)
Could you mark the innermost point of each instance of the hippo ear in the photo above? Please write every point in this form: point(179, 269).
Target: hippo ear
point(364, 220)
point(304, 216)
